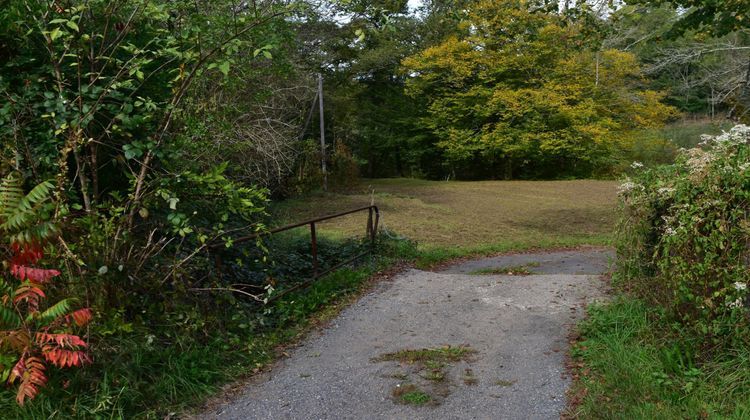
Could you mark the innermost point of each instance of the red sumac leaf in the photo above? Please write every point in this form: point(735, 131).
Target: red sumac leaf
point(26, 254)
point(32, 379)
point(36, 275)
point(62, 340)
point(64, 357)
point(80, 317)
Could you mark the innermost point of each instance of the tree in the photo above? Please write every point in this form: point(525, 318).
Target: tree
point(700, 53)
point(716, 18)
point(518, 94)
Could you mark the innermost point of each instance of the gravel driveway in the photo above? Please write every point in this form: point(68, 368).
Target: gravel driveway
point(516, 327)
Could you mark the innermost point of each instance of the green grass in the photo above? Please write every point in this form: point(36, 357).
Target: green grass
point(411, 394)
point(688, 133)
point(631, 365)
point(429, 365)
point(451, 220)
point(657, 146)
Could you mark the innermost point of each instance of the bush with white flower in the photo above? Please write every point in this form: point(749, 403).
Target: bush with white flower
point(684, 238)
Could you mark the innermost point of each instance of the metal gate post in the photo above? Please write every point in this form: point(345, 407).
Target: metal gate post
point(314, 251)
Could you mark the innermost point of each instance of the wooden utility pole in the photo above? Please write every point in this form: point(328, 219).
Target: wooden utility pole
point(322, 134)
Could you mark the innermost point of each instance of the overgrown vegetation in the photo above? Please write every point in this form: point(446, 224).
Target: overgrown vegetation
point(676, 344)
point(684, 237)
point(130, 378)
point(35, 333)
point(143, 137)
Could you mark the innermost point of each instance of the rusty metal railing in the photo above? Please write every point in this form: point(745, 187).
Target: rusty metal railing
point(373, 217)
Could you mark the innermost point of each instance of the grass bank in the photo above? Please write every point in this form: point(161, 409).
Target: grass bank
point(630, 364)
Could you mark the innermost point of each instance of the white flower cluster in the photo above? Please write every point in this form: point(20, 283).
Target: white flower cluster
point(736, 304)
point(665, 191)
point(706, 139)
point(636, 165)
point(739, 302)
point(698, 160)
point(736, 135)
point(629, 186)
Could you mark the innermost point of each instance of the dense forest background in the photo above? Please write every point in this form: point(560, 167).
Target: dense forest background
point(140, 136)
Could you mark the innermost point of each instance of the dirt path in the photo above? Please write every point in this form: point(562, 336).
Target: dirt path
point(513, 329)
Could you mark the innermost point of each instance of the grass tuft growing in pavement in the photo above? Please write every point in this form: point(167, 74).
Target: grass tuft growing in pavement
point(445, 354)
point(430, 368)
point(411, 394)
point(510, 270)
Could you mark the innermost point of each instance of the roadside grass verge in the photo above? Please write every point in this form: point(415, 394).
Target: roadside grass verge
point(629, 363)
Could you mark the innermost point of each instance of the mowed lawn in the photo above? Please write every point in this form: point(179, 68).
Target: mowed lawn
point(472, 215)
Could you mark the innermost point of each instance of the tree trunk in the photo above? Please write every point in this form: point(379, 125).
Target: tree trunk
point(508, 169)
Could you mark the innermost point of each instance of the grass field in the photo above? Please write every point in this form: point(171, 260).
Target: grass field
point(470, 217)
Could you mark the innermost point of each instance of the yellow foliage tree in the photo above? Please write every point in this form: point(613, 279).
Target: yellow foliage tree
point(518, 93)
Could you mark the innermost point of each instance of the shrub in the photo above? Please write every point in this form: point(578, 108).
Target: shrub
point(32, 334)
point(684, 235)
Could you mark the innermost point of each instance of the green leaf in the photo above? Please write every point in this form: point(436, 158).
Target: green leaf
point(8, 318)
point(224, 68)
point(72, 25)
point(55, 33)
point(56, 311)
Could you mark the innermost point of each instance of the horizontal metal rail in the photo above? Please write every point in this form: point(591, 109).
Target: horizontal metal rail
point(312, 222)
point(373, 218)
